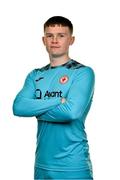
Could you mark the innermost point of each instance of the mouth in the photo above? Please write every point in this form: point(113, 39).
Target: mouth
point(55, 47)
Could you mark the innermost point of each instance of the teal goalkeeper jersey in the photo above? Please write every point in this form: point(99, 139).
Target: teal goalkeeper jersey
point(62, 143)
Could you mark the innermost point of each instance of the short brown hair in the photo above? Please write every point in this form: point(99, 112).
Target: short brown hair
point(59, 20)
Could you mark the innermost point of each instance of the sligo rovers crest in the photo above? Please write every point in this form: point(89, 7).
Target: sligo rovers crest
point(64, 79)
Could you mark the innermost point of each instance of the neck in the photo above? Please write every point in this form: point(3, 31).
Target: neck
point(57, 61)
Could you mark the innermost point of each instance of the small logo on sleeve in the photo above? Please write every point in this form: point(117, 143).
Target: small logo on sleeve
point(39, 79)
point(64, 79)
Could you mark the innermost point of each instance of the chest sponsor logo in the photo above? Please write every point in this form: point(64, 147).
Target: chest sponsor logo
point(64, 79)
point(47, 94)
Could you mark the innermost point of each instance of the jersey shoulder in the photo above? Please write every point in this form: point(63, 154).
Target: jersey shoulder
point(35, 73)
point(74, 65)
point(77, 65)
point(81, 69)
point(44, 68)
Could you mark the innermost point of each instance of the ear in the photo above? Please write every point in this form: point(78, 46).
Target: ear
point(43, 39)
point(72, 40)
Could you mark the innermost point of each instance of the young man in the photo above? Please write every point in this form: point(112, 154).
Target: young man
point(59, 95)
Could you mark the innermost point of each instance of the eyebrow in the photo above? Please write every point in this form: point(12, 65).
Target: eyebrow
point(56, 33)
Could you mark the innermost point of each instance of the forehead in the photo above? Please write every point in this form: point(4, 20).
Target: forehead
point(57, 29)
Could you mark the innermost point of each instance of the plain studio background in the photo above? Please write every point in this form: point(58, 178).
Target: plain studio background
point(97, 30)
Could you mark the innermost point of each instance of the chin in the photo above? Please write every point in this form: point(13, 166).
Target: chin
point(57, 55)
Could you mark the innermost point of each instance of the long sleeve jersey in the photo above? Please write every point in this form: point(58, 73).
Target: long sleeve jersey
point(61, 138)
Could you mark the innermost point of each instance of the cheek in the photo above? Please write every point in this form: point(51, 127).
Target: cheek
point(47, 44)
point(67, 42)
point(66, 45)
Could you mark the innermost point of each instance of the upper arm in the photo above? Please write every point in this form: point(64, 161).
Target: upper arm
point(26, 104)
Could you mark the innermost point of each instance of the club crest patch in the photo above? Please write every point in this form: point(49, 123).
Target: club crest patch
point(64, 79)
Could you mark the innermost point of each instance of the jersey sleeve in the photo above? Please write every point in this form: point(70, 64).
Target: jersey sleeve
point(26, 104)
point(77, 101)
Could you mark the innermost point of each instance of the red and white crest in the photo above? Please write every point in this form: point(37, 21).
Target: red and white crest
point(64, 79)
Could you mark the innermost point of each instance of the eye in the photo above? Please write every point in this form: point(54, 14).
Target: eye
point(49, 35)
point(61, 35)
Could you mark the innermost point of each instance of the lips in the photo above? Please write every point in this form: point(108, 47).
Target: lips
point(55, 47)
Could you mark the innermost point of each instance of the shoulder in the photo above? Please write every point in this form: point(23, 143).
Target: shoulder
point(86, 71)
point(74, 65)
point(37, 71)
point(42, 69)
point(83, 70)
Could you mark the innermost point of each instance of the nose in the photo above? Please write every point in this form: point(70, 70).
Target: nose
point(55, 39)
